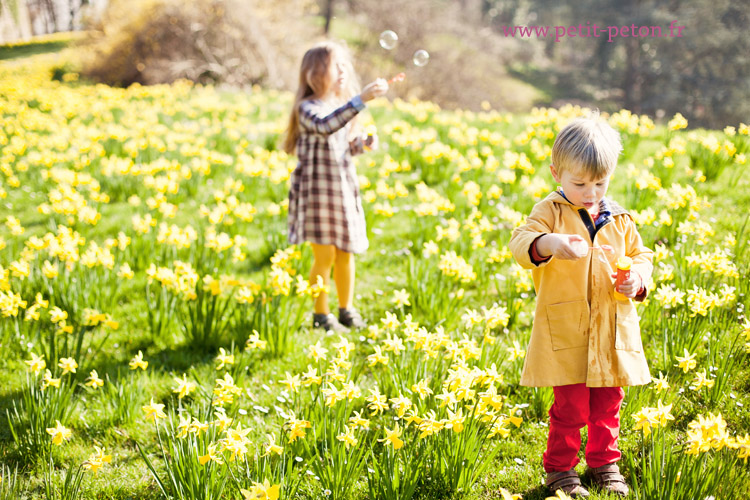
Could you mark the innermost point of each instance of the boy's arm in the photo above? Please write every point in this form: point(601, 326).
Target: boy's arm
point(522, 241)
point(642, 258)
point(312, 120)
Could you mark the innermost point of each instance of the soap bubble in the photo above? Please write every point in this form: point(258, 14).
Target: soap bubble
point(388, 39)
point(421, 58)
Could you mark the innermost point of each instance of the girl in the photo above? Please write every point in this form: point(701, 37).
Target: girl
point(324, 202)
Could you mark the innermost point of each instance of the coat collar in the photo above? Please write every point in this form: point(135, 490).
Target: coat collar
point(615, 208)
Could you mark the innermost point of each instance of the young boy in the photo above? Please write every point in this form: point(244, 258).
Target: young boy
point(584, 342)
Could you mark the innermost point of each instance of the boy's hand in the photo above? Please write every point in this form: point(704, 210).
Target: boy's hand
point(631, 286)
point(562, 246)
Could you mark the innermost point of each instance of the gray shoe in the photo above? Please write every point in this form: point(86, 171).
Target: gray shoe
point(328, 322)
point(351, 318)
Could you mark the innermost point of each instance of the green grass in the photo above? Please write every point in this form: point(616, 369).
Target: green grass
point(382, 269)
point(17, 52)
point(46, 44)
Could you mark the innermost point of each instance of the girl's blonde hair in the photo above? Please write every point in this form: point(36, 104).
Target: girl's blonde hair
point(313, 82)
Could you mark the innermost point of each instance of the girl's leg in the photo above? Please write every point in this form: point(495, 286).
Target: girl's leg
point(567, 416)
point(343, 275)
point(323, 258)
point(604, 426)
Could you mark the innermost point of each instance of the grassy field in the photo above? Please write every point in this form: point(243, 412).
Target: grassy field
point(143, 238)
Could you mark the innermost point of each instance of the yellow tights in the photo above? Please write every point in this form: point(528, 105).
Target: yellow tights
point(327, 257)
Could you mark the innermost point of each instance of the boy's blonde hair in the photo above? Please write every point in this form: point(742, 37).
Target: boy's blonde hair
point(589, 145)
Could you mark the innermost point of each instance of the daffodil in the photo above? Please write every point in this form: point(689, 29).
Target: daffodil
point(358, 421)
point(348, 438)
point(154, 411)
point(138, 362)
point(292, 382)
point(297, 428)
point(59, 433)
point(68, 365)
point(36, 364)
point(661, 383)
point(97, 460)
point(422, 388)
point(317, 351)
point(377, 402)
point(401, 298)
point(184, 386)
point(271, 447)
point(224, 359)
point(254, 342)
point(211, 455)
point(686, 362)
point(264, 491)
point(393, 437)
point(48, 381)
point(94, 381)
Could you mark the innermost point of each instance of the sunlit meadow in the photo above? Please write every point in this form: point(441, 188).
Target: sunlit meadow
point(156, 327)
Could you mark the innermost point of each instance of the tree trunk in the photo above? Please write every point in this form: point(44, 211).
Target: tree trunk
point(633, 78)
point(329, 16)
point(51, 14)
point(632, 75)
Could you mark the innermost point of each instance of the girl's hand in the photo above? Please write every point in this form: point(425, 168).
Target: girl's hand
point(631, 286)
point(562, 246)
point(375, 89)
point(371, 141)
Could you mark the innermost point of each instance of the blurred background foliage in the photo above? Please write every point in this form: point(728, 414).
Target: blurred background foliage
point(705, 74)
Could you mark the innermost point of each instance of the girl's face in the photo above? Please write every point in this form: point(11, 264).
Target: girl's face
point(336, 76)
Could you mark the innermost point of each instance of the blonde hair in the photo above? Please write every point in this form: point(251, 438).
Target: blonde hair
point(314, 83)
point(587, 144)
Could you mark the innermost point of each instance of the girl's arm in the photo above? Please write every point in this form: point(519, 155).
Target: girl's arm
point(313, 120)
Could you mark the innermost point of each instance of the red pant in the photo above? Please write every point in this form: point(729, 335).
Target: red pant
point(575, 406)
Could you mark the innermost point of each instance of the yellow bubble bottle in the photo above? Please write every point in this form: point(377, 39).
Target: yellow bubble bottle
point(623, 273)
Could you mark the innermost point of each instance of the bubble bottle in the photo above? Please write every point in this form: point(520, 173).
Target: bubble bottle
point(623, 273)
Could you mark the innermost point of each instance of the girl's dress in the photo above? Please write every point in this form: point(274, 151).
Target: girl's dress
point(324, 201)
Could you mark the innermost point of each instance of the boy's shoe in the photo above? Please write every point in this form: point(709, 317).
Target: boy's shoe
point(568, 482)
point(351, 318)
point(328, 322)
point(608, 478)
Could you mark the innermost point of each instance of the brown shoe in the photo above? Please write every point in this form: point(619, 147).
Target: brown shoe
point(608, 478)
point(568, 482)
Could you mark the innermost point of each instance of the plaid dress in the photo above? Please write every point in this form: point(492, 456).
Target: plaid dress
point(324, 202)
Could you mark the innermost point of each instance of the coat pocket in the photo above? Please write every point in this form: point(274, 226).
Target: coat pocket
point(568, 324)
point(627, 329)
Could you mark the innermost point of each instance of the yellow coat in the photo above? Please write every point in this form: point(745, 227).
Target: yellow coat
point(581, 334)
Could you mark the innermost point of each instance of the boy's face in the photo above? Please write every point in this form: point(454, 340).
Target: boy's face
point(580, 189)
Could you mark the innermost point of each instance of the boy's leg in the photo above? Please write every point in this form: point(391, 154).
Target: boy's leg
point(567, 416)
point(604, 425)
point(323, 257)
point(343, 275)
